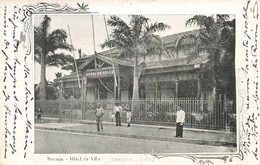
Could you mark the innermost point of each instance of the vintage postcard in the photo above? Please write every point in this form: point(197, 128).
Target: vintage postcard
point(129, 82)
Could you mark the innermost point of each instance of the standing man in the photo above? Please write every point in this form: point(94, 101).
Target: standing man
point(99, 112)
point(39, 115)
point(117, 111)
point(180, 119)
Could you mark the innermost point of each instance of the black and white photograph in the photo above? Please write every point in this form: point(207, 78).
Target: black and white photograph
point(135, 83)
point(129, 82)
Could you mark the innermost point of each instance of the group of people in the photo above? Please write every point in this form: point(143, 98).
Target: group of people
point(117, 113)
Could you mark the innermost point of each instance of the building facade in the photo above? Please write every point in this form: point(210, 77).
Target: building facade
point(169, 73)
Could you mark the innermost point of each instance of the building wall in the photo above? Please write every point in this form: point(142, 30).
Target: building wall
point(124, 95)
point(110, 95)
point(167, 89)
point(90, 93)
point(163, 85)
point(166, 86)
point(172, 54)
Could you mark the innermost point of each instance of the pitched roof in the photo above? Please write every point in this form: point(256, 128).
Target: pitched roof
point(106, 59)
point(176, 62)
point(113, 52)
point(170, 40)
point(71, 77)
point(86, 62)
point(117, 61)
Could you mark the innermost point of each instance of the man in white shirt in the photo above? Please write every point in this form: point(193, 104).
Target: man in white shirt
point(180, 119)
point(117, 112)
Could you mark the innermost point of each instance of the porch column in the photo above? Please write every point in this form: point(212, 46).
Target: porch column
point(176, 88)
point(199, 96)
point(118, 88)
point(98, 92)
point(214, 93)
point(73, 90)
point(176, 85)
point(198, 89)
point(156, 89)
point(95, 92)
point(115, 79)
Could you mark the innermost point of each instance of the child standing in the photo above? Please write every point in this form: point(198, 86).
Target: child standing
point(128, 115)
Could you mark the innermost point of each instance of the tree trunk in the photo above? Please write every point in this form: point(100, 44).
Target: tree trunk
point(136, 80)
point(135, 98)
point(43, 79)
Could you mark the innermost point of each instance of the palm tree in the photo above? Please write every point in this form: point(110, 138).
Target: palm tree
point(134, 39)
point(45, 46)
point(218, 34)
point(209, 28)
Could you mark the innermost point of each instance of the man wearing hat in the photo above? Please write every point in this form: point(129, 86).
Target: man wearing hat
point(117, 111)
point(99, 112)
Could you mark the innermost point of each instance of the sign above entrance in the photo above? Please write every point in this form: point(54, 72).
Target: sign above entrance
point(102, 72)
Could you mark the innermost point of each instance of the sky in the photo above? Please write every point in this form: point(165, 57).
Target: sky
point(82, 33)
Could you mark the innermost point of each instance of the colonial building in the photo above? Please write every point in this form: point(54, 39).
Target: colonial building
point(172, 73)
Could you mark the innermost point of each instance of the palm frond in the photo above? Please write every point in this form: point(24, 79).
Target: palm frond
point(56, 45)
point(197, 20)
point(65, 61)
point(59, 35)
point(39, 39)
point(120, 44)
point(153, 41)
point(45, 25)
point(57, 40)
point(65, 46)
point(156, 27)
point(117, 22)
point(138, 23)
point(125, 36)
point(137, 37)
point(201, 21)
point(221, 18)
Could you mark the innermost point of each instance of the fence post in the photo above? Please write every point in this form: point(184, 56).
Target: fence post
point(83, 97)
point(60, 101)
point(201, 103)
point(225, 110)
point(72, 107)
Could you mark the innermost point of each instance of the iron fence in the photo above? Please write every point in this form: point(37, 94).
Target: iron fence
point(205, 114)
point(50, 108)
